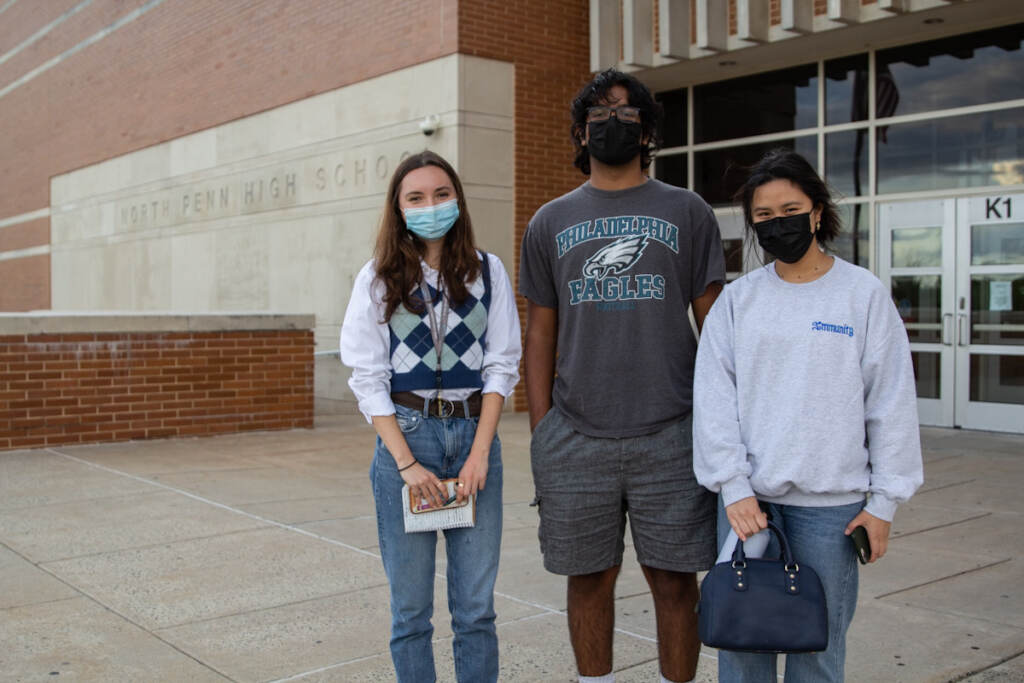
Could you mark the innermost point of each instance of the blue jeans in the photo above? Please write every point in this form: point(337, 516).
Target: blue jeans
point(442, 446)
point(816, 537)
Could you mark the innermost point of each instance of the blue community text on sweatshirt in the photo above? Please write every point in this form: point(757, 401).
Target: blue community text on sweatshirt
point(805, 395)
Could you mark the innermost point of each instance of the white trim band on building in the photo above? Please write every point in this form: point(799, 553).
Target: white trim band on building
point(25, 217)
point(44, 30)
point(95, 38)
point(24, 253)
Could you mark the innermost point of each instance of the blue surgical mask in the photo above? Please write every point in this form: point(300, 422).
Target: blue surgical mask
point(432, 222)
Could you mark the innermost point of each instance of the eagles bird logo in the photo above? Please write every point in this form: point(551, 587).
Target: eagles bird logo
point(616, 258)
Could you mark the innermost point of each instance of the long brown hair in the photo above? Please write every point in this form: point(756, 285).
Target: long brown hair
point(399, 251)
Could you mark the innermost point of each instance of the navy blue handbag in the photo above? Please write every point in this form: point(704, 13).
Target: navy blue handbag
point(763, 605)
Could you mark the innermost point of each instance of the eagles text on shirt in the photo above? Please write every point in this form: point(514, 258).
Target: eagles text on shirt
point(604, 272)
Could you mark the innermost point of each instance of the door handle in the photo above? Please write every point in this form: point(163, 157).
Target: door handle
point(947, 329)
point(962, 332)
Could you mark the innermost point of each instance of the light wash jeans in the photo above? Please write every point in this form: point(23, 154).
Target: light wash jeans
point(442, 446)
point(816, 537)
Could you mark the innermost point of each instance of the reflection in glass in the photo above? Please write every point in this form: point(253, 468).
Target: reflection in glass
point(846, 89)
point(671, 169)
point(918, 299)
point(771, 102)
point(997, 309)
point(963, 70)
point(997, 379)
point(673, 126)
point(853, 243)
point(917, 247)
point(733, 255)
point(719, 173)
point(960, 151)
point(846, 162)
point(927, 374)
point(997, 244)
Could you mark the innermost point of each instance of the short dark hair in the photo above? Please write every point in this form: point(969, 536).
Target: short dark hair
point(785, 164)
point(595, 92)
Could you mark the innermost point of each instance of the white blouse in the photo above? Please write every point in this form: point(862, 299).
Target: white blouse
point(366, 341)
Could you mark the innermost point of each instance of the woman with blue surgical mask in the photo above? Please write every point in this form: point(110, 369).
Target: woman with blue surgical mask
point(805, 407)
point(432, 336)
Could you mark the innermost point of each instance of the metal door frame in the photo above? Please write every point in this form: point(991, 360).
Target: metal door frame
point(1002, 417)
point(927, 213)
point(953, 407)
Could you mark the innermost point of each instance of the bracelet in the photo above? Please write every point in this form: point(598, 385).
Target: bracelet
point(414, 462)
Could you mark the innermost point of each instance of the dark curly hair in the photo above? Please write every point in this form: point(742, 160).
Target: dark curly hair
point(785, 164)
point(594, 93)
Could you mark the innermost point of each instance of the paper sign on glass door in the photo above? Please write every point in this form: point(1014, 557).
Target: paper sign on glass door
point(999, 296)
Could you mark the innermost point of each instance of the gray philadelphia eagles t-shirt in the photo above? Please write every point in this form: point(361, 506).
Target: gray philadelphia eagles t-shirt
point(621, 267)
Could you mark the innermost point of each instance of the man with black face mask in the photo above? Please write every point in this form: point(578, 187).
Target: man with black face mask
point(609, 271)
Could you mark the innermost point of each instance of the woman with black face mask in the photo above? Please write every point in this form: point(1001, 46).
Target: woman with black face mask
point(805, 404)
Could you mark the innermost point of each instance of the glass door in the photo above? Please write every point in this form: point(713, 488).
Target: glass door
point(917, 260)
point(955, 268)
point(990, 313)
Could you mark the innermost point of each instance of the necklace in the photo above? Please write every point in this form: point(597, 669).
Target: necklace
point(809, 273)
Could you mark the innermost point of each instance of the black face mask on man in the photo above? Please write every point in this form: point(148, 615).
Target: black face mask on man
point(613, 142)
point(787, 238)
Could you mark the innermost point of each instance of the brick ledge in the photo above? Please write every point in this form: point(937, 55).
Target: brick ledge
point(85, 322)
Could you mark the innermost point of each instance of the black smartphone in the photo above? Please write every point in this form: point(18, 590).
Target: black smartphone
point(859, 536)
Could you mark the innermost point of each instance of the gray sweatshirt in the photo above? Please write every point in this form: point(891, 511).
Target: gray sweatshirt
point(804, 393)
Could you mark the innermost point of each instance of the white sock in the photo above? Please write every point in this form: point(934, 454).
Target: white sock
point(607, 678)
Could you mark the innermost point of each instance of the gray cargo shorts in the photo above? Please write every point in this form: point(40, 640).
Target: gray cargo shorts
point(586, 486)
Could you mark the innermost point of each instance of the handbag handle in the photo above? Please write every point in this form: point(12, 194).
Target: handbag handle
point(739, 558)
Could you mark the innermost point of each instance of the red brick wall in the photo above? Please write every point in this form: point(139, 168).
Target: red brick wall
point(549, 43)
point(25, 282)
point(23, 235)
point(87, 388)
point(183, 66)
point(820, 7)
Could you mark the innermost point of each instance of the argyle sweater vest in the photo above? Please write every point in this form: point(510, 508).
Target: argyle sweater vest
point(413, 356)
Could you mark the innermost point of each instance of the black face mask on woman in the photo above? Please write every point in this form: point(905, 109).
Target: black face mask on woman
point(787, 238)
point(613, 142)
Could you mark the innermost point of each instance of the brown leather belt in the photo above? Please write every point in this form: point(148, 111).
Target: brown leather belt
point(440, 407)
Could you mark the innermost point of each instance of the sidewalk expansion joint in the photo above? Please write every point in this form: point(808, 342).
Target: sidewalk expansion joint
point(945, 486)
point(268, 608)
point(942, 526)
point(296, 529)
point(149, 546)
point(222, 506)
point(80, 596)
point(944, 578)
point(993, 665)
point(58, 503)
point(951, 456)
point(86, 595)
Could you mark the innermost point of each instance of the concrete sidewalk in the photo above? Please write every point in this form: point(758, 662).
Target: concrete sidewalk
point(253, 558)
